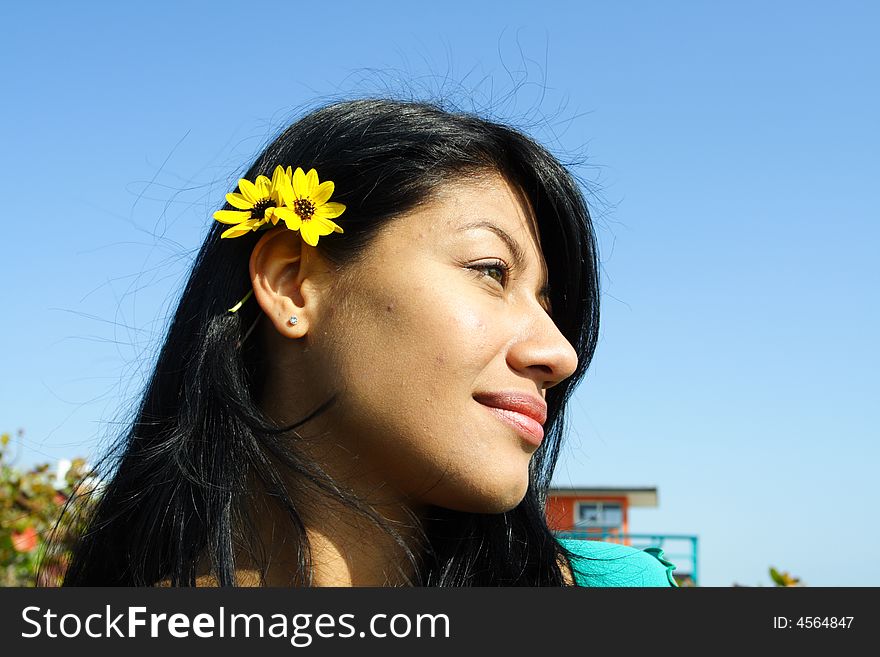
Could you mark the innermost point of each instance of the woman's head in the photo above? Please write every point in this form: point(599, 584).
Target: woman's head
point(437, 313)
point(404, 321)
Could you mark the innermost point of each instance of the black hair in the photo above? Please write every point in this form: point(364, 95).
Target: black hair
point(181, 490)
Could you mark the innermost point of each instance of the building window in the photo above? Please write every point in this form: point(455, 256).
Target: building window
point(599, 515)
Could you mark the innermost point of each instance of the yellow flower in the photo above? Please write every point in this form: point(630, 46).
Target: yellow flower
point(257, 204)
point(306, 205)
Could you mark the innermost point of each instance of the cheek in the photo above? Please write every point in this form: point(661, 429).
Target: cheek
point(413, 364)
point(420, 343)
point(432, 325)
point(456, 341)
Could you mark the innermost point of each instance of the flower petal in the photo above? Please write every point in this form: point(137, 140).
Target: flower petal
point(231, 216)
point(325, 226)
point(238, 231)
point(248, 190)
point(300, 186)
point(310, 233)
point(239, 201)
point(285, 188)
point(322, 192)
point(329, 210)
point(312, 181)
point(291, 218)
point(263, 186)
point(278, 178)
point(286, 194)
point(25, 541)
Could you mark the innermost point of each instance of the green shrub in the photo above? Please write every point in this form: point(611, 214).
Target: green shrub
point(31, 503)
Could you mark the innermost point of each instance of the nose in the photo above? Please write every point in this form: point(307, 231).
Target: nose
point(541, 352)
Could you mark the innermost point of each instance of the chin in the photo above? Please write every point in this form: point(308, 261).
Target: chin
point(503, 507)
point(501, 498)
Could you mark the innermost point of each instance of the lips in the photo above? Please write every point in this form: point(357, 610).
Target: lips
point(534, 407)
point(523, 412)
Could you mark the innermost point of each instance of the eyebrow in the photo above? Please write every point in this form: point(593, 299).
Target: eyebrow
point(519, 255)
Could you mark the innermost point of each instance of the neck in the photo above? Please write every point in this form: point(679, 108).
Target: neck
point(347, 549)
point(351, 550)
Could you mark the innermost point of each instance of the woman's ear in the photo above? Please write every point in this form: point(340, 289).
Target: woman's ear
point(283, 284)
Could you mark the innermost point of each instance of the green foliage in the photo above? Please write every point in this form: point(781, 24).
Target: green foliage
point(783, 578)
point(31, 503)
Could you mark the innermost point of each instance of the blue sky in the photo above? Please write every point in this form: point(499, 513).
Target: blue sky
point(731, 154)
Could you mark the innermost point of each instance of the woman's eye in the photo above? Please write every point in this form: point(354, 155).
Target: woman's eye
point(498, 267)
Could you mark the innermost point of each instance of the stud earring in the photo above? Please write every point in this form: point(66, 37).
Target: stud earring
point(292, 321)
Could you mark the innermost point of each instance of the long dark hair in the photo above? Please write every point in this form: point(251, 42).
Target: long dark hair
point(181, 487)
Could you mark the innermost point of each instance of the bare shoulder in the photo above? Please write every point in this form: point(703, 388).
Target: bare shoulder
point(244, 577)
point(567, 574)
point(206, 581)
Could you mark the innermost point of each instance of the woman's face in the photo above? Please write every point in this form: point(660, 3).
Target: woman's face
point(428, 324)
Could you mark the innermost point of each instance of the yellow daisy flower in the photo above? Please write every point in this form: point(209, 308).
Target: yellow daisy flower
point(306, 205)
point(257, 204)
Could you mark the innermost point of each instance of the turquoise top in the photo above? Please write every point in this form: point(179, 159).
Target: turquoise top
point(597, 563)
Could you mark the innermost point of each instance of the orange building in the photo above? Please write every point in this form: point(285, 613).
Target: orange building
point(600, 511)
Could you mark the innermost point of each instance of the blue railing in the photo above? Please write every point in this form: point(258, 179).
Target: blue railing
point(680, 549)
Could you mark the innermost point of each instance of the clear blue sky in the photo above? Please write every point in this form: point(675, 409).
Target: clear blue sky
point(733, 151)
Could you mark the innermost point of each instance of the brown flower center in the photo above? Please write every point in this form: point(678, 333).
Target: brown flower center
point(260, 207)
point(304, 208)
